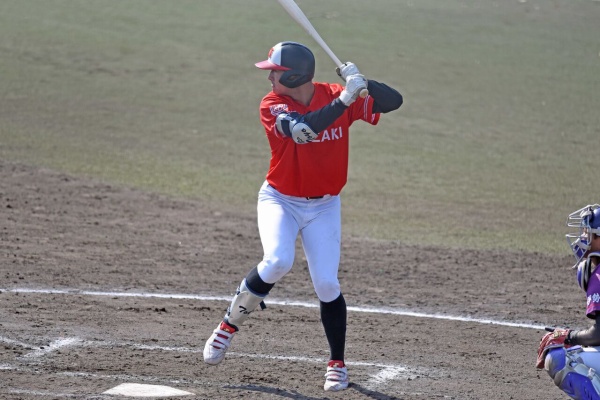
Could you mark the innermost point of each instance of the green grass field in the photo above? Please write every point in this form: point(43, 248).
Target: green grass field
point(498, 139)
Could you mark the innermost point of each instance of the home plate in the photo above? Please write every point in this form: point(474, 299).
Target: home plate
point(140, 390)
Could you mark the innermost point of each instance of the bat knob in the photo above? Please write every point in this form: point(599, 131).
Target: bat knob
point(364, 93)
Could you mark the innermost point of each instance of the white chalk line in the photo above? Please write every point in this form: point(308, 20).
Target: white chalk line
point(39, 393)
point(39, 351)
point(386, 374)
point(388, 371)
point(372, 310)
point(130, 378)
point(149, 379)
point(56, 345)
point(16, 343)
point(77, 342)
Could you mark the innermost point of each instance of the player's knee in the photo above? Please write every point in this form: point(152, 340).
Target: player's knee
point(274, 267)
point(555, 361)
point(327, 290)
point(571, 375)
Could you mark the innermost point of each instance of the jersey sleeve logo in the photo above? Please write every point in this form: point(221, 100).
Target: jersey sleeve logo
point(278, 109)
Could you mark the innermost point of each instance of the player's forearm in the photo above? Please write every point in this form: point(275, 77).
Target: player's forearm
point(385, 98)
point(586, 337)
point(320, 119)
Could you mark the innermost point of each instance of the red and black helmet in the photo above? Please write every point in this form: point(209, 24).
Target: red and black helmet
point(295, 59)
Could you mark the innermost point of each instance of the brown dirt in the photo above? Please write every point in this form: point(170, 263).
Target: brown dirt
point(67, 233)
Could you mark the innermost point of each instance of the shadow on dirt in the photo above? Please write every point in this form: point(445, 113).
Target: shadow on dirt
point(290, 394)
point(371, 394)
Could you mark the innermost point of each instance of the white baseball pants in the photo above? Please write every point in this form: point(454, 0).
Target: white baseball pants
point(281, 218)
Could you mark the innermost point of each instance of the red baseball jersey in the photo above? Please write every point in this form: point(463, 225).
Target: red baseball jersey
point(321, 166)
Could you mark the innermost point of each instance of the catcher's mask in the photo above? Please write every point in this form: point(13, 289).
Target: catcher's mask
point(587, 221)
point(295, 59)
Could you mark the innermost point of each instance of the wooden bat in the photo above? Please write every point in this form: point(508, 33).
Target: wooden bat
point(297, 15)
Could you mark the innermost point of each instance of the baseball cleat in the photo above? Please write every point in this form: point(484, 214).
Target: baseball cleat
point(216, 346)
point(336, 378)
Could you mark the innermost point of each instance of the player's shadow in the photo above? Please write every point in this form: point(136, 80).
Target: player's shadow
point(292, 394)
point(371, 394)
point(289, 394)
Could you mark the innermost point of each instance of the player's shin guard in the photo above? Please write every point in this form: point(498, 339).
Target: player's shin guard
point(244, 302)
point(571, 375)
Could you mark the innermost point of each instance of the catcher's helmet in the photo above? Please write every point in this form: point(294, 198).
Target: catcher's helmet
point(295, 59)
point(587, 220)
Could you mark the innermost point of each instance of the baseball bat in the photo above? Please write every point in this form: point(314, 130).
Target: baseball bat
point(297, 15)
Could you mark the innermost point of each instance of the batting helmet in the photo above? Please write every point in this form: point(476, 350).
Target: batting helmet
point(295, 59)
point(587, 220)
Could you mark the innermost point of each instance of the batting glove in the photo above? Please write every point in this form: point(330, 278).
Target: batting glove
point(347, 69)
point(354, 85)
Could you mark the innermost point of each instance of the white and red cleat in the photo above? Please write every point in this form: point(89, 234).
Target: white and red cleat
point(336, 378)
point(216, 346)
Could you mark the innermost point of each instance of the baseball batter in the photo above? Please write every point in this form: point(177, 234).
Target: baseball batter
point(307, 125)
point(571, 357)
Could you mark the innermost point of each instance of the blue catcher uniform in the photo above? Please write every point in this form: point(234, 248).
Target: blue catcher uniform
point(574, 371)
point(572, 358)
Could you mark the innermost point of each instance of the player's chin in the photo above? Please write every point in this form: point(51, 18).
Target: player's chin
point(279, 89)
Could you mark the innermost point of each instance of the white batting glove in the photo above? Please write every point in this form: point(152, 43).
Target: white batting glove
point(354, 85)
point(347, 69)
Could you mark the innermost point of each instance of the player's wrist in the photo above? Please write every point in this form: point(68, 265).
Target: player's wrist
point(569, 338)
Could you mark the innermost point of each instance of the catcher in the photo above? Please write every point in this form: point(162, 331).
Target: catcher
point(572, 357)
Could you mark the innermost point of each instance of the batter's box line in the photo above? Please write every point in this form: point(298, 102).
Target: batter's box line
point(388, 372)
point(39, 351)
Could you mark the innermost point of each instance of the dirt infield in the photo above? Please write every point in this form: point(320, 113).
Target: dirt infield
point(77, 255)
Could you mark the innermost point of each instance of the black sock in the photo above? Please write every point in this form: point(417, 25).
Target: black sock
point(256, 284)
point(333, 317)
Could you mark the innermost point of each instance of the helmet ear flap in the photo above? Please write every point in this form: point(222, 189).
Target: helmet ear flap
point(584, 272)
point(293, 79)
point(585, 269)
